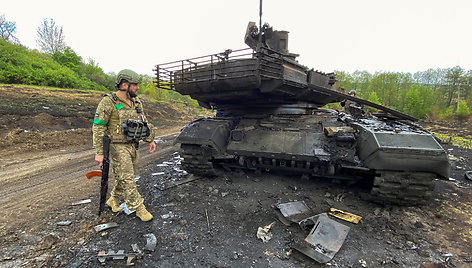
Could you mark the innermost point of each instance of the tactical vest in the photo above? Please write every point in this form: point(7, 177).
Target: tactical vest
point(127, 124)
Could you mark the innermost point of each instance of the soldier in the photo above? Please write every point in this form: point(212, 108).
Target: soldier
point(352, 107)
point(120, 116)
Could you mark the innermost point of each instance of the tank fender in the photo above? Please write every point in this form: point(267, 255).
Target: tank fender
point(404, 151)
point(209, 132)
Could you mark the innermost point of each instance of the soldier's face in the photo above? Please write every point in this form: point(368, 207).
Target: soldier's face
point(133, 90)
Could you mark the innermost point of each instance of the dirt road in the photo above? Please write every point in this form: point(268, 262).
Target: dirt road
point(28, 182)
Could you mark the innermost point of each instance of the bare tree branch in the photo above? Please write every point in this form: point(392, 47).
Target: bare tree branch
point(50, 37)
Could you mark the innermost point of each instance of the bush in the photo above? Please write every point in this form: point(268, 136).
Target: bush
point(19, 65)
point(447, 113)
point(462, 111)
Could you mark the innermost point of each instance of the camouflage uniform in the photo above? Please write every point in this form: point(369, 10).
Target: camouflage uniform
point(111, 113)
point(353, 107)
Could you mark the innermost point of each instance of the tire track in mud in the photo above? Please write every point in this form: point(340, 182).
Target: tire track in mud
point(55, 180)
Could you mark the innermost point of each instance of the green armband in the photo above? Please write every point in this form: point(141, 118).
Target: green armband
point(97, 121)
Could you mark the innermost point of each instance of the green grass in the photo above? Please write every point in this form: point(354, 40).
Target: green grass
point(456, 141)
point(48, 88)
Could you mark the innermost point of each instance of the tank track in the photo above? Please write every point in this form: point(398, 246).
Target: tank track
point(403, 188)
point(197, 160)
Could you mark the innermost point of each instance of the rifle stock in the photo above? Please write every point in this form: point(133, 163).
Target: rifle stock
point(105, 172)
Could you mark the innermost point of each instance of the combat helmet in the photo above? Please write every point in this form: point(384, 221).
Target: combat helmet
point(128, 75)
point(352, 92)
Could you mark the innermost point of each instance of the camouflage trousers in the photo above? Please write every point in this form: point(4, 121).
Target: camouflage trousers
point(124, 158)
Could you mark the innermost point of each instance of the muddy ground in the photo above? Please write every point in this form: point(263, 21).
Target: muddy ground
point(201, 222)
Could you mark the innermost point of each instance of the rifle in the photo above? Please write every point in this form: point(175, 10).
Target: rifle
point(103, 173)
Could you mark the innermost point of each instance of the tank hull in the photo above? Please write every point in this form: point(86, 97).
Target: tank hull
point(400, 160)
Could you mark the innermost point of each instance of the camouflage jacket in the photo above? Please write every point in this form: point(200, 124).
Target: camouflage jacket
point(111, 113)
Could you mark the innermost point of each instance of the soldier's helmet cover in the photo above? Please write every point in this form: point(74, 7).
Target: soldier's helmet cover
point(128, 75)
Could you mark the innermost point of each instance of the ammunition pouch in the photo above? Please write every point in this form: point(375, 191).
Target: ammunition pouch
point(135, 130)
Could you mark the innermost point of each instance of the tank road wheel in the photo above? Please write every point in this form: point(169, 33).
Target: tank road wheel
point(197, 160)
point(403, 188)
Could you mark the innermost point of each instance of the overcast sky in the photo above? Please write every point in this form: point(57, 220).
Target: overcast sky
point(344, 35)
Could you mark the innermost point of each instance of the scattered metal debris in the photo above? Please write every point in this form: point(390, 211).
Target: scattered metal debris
point(162, 165)
point(468, 175)
point(339, 197)
point(344, 215)
point(151, 242)
point(136, 249)
point(461, 185)
point(292, 212)
point(264, 233)
point(64, 223)
point(105, 226)
point(324, 240)
point(171, 174)
point(85, 201)
point(208, 220)
point(118, 255)
point(167, 216)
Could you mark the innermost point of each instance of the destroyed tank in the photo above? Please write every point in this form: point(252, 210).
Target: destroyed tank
point(269, 118)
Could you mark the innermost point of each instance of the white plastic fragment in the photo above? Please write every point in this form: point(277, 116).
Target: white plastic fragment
point(125, 209)
point(64, 223)
point(85, 201)
point(162, 165)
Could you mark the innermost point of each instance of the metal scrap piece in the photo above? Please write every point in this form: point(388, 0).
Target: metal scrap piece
point(468, 175)
point(344, 215)
point(118, 255)
point(104, 226)
point(324, 240)
point(135, 248)
point(151, 242)
point(291, 212)
point(264, 233)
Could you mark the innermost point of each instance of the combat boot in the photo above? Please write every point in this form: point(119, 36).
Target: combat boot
point(143, 214)
point(113, 203)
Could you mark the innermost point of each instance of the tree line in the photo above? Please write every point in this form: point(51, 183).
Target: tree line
point(432, 94)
